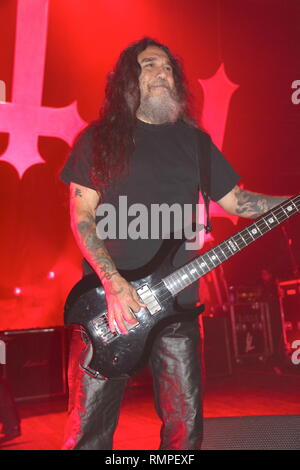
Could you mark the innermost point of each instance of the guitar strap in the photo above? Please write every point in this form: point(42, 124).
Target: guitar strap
point(204, 164)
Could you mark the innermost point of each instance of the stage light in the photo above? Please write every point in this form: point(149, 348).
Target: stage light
point(17, 291)
point(51, 274)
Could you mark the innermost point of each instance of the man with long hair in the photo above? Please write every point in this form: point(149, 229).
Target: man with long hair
point(144, 147)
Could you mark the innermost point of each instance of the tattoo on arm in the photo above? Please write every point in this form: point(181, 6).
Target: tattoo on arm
point(96, 252)
point(253, 205)
point(78, 192)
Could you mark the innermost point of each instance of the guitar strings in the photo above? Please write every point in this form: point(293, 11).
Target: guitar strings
point(278, 214)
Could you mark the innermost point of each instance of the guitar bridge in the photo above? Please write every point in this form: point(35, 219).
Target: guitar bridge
point(100, 325)
point(149, 299)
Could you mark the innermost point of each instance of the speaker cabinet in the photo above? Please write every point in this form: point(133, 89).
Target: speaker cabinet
point(35, 362)
point(252, 432)
point(251, 331)
point(289, 292)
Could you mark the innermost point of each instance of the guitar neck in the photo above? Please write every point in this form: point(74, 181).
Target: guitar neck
point(195, 269)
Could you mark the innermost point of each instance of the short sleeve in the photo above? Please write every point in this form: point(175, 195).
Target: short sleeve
point(78, 166)
point(223, 176)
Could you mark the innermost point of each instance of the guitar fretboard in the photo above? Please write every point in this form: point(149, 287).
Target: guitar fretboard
point(195, 269)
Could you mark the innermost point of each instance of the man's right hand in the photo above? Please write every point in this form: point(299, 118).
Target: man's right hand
point(122, 299)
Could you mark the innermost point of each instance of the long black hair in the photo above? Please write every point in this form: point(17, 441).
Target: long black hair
point(113, 130)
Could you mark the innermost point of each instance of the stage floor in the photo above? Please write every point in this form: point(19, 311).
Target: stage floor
point(249, 391)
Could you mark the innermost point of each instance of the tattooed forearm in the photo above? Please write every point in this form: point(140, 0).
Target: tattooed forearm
point(94, 249)
point(252, 205)
point(78, 192)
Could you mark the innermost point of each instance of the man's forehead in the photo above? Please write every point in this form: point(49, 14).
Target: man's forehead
point(152, 52)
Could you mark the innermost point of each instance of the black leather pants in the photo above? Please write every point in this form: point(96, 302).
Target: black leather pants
point(94, 404)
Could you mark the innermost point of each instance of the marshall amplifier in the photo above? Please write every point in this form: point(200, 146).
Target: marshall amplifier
point(34, 362)
point(251, 331)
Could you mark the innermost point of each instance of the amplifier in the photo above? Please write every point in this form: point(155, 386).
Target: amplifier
point(289, 294)
point(251, 331)
point(35, 362)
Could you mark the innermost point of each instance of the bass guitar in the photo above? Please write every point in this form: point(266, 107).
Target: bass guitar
point(121, 355)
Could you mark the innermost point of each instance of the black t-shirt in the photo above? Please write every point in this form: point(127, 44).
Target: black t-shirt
point(163, 169)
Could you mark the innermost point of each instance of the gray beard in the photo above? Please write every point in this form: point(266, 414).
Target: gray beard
point(159, 109)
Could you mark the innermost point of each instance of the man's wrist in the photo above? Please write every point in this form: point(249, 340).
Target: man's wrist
point(109, 277)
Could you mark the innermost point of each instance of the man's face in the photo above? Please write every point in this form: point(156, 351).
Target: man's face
point(159, 100)
point(156, 78)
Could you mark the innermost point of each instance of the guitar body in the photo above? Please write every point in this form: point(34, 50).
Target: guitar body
point(122, 355)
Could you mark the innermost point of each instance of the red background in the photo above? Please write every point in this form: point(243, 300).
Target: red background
point(258, 41)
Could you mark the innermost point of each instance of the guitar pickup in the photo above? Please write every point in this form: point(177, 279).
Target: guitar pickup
point(147, 296)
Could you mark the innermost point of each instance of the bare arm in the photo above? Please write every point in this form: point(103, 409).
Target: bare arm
point(121, 297)
point(83, 204)
point(248, 204)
